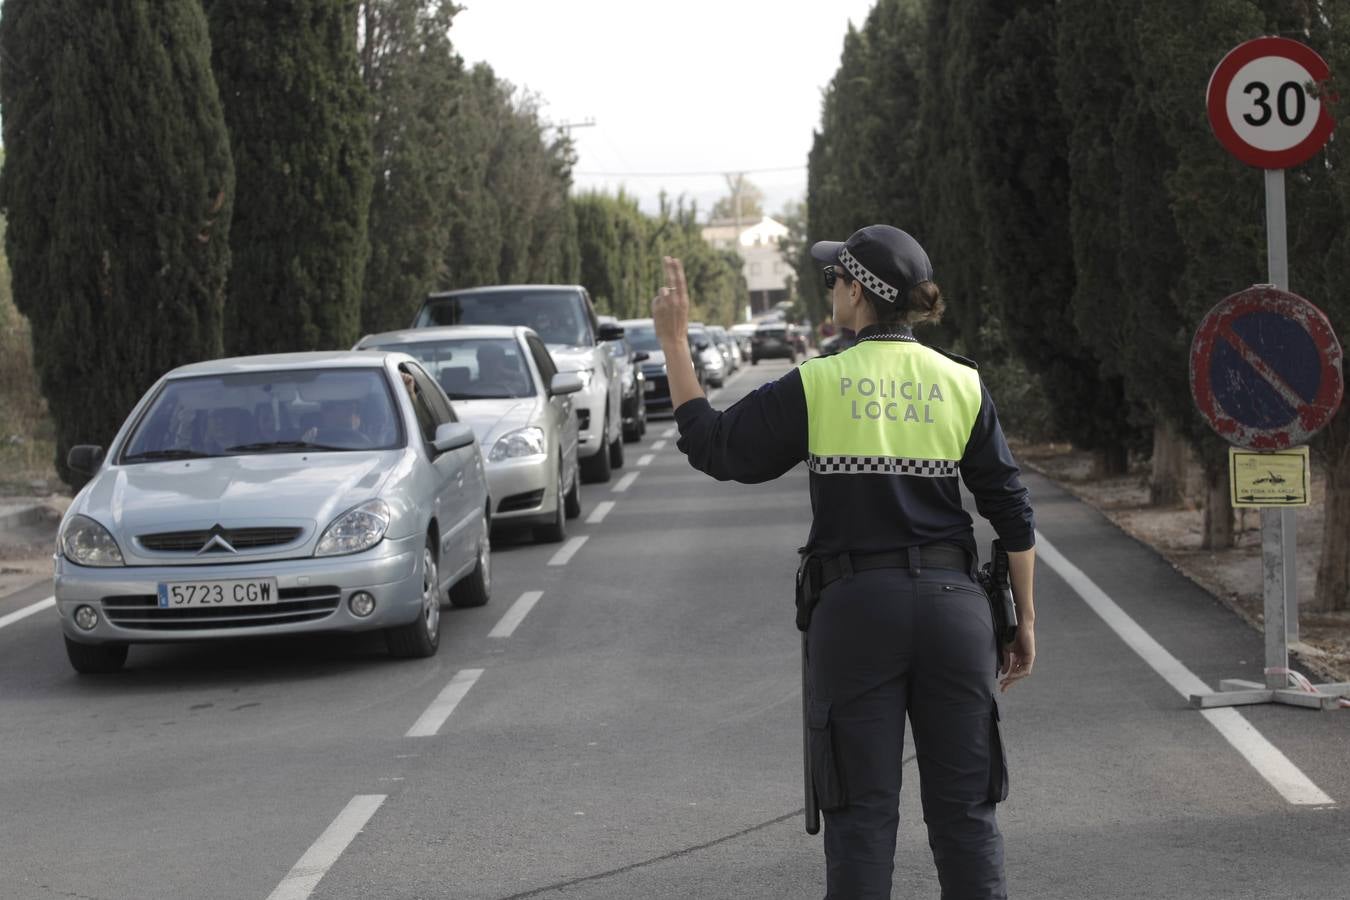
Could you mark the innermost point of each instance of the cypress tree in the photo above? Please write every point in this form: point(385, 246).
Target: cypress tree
point(300, 133)
point(1216, 201)
point(118, 189)
point(1021, 180)
point(413, 76)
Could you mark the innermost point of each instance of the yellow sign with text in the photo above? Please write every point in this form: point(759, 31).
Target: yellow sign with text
point(1272, 478)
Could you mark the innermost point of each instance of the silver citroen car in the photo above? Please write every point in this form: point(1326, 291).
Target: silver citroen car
point(273, 495)
point(501, 379)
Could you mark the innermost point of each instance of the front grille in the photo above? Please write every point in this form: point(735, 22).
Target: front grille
point(527, 500)
point(584, 419)
point(293, 606)
point(238, 538)
point(660, 387)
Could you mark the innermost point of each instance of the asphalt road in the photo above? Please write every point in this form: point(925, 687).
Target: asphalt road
point(636, 734)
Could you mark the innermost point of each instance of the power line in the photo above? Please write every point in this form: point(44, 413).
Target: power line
point(717, 174)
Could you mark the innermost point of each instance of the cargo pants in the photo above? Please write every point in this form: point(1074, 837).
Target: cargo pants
point(884, 644)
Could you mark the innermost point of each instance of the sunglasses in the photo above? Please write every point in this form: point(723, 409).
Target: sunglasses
point(830, 277)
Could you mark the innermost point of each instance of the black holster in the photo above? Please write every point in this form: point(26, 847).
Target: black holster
point(808, 589)
point(994, 578)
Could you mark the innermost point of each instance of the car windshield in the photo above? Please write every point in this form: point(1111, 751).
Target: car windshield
point(474, 368)
point(559, 317)
point(642, 337)
point(267, 412)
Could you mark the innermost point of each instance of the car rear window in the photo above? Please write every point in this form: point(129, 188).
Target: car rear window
point(559, 317)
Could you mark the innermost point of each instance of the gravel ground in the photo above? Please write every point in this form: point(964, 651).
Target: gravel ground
point(1233, 576)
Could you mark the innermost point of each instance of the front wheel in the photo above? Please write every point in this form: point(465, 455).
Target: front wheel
point(572, 503)
point(555, 532)
point(420, 637)
point(596, 467)
point(96, 659)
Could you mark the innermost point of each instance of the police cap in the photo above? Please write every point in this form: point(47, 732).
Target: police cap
point(885, 259)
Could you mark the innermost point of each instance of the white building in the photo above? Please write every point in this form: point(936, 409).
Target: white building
point(766, 272)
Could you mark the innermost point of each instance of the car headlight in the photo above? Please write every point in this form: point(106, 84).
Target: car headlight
point(359, 528)
point(521, 442)
point(87, 543)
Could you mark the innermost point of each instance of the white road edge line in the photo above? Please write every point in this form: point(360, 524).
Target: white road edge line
point(601, 510)
point(568, 550)
point(625, 482)
point(659, 445)
point(669, 432)
point(645, 459)
point(1264, 757)
point(306, 874)
point(516, 614)
point(27, 611)
point(430, 722)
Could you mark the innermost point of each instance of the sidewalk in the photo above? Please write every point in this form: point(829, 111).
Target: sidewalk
point(27, 540)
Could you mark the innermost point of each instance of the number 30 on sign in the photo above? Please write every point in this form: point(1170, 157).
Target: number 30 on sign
point(1265, 105)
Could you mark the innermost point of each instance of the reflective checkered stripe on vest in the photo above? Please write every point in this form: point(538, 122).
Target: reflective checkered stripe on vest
point(890, 408)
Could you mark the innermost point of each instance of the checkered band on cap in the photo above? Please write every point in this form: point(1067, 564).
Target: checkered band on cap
point(883, 465)
point(869, 281)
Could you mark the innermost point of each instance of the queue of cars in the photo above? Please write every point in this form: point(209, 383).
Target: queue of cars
point(356, 490)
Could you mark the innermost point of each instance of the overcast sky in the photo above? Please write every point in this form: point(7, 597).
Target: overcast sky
point(697, 86)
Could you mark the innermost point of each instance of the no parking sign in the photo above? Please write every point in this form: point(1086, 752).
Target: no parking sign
point(1266, 369)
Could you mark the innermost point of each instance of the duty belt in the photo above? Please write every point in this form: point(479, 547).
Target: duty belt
point(930, 556)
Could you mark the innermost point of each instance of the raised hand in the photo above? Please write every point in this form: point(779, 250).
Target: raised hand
point(670, 307)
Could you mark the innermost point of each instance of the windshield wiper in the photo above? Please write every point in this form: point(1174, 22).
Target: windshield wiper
point(281, 447)
point(165, 454)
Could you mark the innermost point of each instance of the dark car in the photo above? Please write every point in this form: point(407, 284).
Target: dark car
point(641, 335)
point(634, 399)
point(771, 341)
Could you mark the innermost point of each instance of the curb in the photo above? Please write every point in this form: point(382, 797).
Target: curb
point(19, 518)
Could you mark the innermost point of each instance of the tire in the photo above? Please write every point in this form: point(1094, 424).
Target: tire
point(754, 360)
point(420, 637)
point(596, 468)
point(96, 659)
point(556, 531)
point(572, 502)
point(616, 453)
point(475, 589)
point(632, 433)
point(642, 419)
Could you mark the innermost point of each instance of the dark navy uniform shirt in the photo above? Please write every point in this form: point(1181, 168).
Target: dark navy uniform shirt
point(765, 434)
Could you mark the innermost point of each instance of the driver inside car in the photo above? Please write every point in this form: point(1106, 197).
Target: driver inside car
point(339, 424)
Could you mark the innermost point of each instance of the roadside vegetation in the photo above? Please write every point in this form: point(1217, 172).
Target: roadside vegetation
point(1055, 159)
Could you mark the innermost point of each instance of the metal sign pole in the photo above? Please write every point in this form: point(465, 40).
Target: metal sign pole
point(1279, 527)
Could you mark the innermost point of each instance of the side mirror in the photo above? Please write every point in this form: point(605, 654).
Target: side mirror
point(85, 458)
point(701, 345)
point(610, 332)
point(452, 436)
point(641, 356)
point(564, 383)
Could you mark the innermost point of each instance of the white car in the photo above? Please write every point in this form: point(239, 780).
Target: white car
point(501, 380)
point(272, 495)
point(563, 316)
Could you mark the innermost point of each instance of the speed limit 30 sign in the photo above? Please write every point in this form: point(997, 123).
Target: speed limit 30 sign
point(1265, 105)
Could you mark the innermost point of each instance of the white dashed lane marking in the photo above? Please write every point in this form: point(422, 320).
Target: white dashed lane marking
point(567, 551)
point(32, 609)
point(669, 432)
point(440, 709)
point(625, 482)
point(1264, 757)
point(659, 445)
point(598, 514)
point(646, 460)
point(516, 614)
point(306, 874)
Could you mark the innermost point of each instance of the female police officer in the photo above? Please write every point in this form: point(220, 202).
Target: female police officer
point(901, 628)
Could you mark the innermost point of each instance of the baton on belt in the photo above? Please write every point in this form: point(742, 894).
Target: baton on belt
point(812, 808)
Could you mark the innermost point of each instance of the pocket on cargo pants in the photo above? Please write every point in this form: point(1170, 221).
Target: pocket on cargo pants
point(998, 758)
point(826, 777)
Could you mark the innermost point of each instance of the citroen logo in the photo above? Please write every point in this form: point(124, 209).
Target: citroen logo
point(217, 543)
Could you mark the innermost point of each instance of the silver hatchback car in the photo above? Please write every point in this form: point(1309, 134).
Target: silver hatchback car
point(501, 380)
point(273, 495)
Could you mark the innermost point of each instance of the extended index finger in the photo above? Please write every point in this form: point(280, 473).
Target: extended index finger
point(675, 276)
